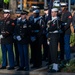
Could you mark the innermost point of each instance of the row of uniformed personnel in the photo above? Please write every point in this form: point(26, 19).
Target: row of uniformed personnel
point(59, 31)
point(22, 32)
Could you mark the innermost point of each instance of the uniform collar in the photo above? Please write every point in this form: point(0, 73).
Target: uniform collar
point(37, 18)
point(46, 14)
point(23, 20)
point(53, 18)
point(19, 18)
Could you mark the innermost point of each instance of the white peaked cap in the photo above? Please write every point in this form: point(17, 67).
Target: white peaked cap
point(6, 10)
point(63, 4)
point(54, 9)
point(35, 7)
point(36, 11)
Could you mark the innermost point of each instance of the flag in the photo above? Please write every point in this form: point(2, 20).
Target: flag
point(50, 7)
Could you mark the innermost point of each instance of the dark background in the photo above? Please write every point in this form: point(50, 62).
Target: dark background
point(1, 3)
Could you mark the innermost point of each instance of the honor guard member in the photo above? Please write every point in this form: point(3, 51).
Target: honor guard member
point(66, 19)
point(44, 39)
point(6, 36)
point(31, 18)
point(53, 27)
point(16, 20)
point(22, 37)
point(36, 32)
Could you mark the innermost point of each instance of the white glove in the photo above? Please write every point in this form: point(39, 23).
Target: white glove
point(14, 37)
point(19, 38)
point(1, 36)
point(48, 42)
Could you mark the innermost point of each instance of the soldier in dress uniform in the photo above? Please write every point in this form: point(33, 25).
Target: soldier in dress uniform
point(6, 36)
point(22, 37)
point(16, 20)
point(66, 19)
point(44, 39)
point(53, 27)
point(36, 33)
point(31, 18)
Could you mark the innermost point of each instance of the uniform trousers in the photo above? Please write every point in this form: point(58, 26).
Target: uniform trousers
point(53, 46)
point(45, 47)
point(16, 53)
point(37, 54)
point(24, 55)
point(9, 48)
point(65, 47)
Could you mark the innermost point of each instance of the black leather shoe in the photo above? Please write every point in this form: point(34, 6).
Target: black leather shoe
point(3, 67)
point(31, 62)
point(36, 67)
point(20, 69)
point(16, 65)
point(10, 68)
point(62, 64)
point(33, 67)
point(26, 69)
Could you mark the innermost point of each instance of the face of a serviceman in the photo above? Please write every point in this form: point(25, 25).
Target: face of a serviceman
point(46, 11)
point(6, 15)
point(53, 13)
point(35, 14)
point(64, 8)
point(23, 16)
point(18, 15)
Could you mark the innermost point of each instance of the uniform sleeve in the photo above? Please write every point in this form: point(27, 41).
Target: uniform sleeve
point(69, 20)
point(15, 28)
point(0, 27)
point(9, 29)
point(42, 27)
point(42, 23)
point(28, 28)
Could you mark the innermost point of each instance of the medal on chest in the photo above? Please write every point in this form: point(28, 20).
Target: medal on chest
point(25, 26)
point(8, 22)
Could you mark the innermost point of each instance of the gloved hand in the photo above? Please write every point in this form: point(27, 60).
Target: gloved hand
point(19, 38)
point(14, 37)
point(48, 41)
point(1, 36)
